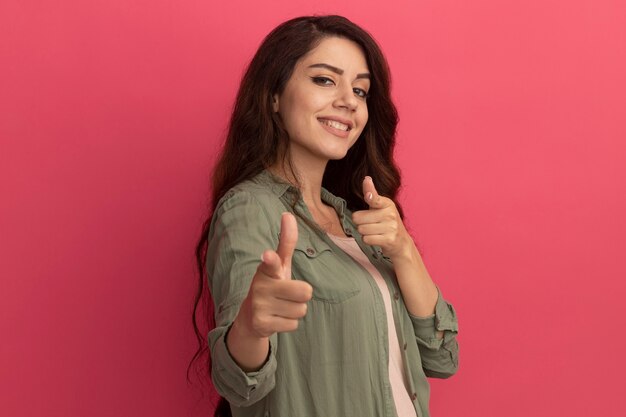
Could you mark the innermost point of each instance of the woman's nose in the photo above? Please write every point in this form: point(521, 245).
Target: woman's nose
point(346, 98)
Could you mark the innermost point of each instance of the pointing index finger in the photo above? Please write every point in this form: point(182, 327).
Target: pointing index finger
point(288, 238)
point(370, 194)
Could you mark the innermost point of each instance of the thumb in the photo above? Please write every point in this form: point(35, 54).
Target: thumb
point(287, 240)
point(370, 194)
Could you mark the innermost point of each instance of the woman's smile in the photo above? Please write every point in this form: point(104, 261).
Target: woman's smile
point(336, 127)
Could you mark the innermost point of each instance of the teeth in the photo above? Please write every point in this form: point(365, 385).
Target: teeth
point(335, 124)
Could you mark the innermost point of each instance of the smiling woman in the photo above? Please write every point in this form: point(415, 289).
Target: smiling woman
point(322, 304)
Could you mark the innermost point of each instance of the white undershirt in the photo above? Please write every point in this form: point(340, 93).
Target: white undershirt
point(397, 377)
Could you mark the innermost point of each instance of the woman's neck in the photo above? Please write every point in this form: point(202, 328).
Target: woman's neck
point(309, 181)
point(307, 178)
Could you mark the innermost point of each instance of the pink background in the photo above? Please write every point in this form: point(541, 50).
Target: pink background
point(511, 143)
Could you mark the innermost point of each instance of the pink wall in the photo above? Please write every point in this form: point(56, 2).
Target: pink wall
point(512, 150)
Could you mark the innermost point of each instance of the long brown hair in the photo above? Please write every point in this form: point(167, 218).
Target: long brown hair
point(256, 139)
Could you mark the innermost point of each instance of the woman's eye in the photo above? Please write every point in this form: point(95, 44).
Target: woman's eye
point(322, 80)
point(360, 92)
point(325, 81)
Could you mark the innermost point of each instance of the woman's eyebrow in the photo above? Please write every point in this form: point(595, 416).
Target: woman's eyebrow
point(338, 70)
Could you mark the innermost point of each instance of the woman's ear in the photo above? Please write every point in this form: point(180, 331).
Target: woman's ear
point(275, 103)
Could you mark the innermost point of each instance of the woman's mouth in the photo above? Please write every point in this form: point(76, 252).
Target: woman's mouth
point(335, 124)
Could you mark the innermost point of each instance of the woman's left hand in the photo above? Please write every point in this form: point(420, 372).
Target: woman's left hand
point(381, 225)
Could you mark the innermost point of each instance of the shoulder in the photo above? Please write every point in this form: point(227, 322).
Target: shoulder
point(256, 195)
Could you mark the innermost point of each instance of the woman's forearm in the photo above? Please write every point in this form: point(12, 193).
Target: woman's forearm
point(418, 289)
point(250, 352)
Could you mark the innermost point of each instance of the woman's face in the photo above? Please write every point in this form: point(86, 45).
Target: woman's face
point(323, 106)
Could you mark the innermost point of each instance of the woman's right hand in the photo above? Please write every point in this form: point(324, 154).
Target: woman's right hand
point(274, 302)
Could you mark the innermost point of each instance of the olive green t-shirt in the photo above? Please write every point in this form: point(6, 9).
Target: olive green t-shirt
point(336, 363)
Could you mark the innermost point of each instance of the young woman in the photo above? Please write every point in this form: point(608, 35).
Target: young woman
point(322, 304)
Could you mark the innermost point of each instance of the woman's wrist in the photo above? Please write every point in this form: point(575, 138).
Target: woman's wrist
point(408, 256)
point(248, 351)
